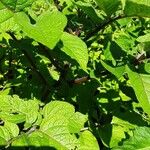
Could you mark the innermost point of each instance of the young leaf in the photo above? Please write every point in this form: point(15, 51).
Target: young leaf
point(140, 140)
point(76, 49)
point(48, 28)
point(141, 86)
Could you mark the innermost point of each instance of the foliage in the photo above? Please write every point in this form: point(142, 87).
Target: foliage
point(74, 74)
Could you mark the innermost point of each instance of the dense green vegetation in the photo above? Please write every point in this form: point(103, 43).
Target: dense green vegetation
point(75, 74)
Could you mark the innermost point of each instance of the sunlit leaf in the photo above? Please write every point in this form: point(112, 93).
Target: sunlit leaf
point(47, 29)
point(76, 49)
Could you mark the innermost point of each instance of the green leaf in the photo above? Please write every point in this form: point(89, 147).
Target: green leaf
point(89, 10)
point(30, 108)
point(55, 123)
point(16, 5)
point(8, 25)
point(111, 135)
point(2, 141)
point(12, 128)
point(140, 140)
point(39, 138)
point(7, 10)
point(76, 122)
point(144, 38)
point(14, 118)
point(88, 141)
point(137, 8)
point(21, 141)
point(123, 40)
point(27, 110)
point(76, 49)
point(48, 28)
point(141, 86)
point(117, 71)
point(57, 107)
point(109, 6)
point(5, 13)
point(147, 67)
point(4, 133)
point(56, 128)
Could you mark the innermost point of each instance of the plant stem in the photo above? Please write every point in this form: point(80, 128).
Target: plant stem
point(102, 26)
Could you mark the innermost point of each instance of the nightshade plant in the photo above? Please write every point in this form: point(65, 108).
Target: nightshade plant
point(75, 74)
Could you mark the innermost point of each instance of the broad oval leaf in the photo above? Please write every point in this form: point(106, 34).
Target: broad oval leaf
point(48, 28)
point(76, 49)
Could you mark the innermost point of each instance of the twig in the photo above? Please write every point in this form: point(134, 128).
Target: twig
point(102, 26)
